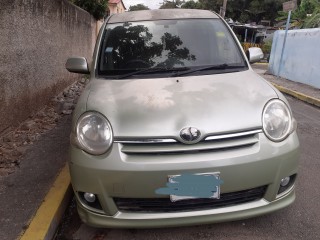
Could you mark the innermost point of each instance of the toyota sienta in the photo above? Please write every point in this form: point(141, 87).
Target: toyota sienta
point(175, 128)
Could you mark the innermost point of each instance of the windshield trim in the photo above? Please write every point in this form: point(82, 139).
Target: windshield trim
point(170, 75)
point(237, 45)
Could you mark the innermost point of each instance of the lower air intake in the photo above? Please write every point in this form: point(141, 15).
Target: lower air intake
point(164, 205)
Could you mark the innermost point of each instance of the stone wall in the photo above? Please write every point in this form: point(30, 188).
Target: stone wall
point(301, 61)
point(36, 38)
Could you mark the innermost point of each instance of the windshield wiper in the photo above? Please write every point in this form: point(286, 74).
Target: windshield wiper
point(153, 70)
point(212, 67)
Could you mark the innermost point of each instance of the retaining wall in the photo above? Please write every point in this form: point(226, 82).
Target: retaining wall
point(36, 38)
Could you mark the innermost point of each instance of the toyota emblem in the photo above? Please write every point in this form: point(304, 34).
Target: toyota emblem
point(190, 134)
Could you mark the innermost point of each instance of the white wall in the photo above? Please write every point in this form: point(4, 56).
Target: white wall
point(301, 59)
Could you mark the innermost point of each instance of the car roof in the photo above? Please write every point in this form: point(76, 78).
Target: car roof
point(161, 14)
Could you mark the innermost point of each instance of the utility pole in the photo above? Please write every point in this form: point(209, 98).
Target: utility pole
point(224, 9)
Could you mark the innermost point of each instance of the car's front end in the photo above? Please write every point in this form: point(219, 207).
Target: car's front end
point(166, 146)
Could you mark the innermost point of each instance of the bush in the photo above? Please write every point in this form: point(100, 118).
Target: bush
point(97, 8)
point(266, 47)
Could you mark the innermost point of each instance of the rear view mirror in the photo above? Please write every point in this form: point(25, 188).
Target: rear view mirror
point(77, 65)
point(254, 54)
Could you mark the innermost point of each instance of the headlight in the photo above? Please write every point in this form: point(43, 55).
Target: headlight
point(276, 120)
point(94, 133)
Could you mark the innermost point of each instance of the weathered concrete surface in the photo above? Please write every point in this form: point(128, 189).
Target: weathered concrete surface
point(301, 56)
point(14, 144)
point(22, 192)
point(26, 177)
point(36, 38)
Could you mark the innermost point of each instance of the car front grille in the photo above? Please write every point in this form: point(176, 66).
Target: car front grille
point(164, 205)
point(171, 146)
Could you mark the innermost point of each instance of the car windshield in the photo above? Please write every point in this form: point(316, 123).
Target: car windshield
point(171, 45)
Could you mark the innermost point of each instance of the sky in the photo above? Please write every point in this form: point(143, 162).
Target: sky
point(152, 4)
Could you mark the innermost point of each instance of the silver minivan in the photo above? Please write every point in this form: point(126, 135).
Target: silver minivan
point(174, 127)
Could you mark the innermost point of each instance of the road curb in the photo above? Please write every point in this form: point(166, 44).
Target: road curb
point(262, 63)
point(45, 222)
point(298, 95)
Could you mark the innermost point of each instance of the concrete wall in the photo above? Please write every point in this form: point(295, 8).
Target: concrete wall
point(36, 38)
point(301, 59)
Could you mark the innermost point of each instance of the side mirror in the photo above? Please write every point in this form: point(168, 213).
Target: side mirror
point(77, 65)
point(254, 54)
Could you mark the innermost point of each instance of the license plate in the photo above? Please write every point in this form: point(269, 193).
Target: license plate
point(194, 186)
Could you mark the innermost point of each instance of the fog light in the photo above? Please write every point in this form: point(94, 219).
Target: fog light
point(89, 197)
point(285, 181)
point(90, 200)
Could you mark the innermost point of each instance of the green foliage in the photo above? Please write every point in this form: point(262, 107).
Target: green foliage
point(191, 5)
point(138, 7)
point(266, 47)
point(307, 15)
point(243, 10)
point(244, 17)
point(254, 10)
point(313, 21)
point(213, 5)
point(97, 8)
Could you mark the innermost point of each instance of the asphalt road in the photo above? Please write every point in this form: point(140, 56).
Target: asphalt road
point(22, 192)
point(299, 221)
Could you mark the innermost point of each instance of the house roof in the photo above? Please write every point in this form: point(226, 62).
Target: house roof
point(116, 2)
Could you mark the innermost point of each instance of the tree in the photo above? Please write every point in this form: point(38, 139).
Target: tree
point(254, 10)
point(213, 5)
point(97, 8)
point(272, 7)
point(138, 7)
point(171, 4)
point(236, 10)
point(307, 15)
point(313, 21)
point(245, 10)
point(191, 5)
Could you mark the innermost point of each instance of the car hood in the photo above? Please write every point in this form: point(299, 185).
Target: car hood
point(161, 107)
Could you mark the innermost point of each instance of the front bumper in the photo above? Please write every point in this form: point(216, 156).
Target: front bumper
point(131, 220)
point(117, 175)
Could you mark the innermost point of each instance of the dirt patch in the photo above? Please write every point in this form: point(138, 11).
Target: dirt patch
point(15, 142)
